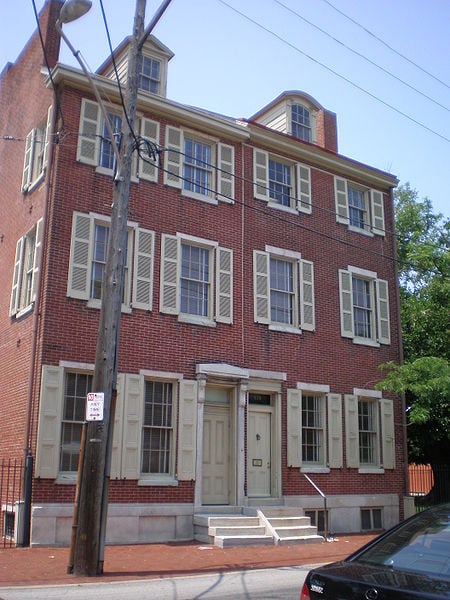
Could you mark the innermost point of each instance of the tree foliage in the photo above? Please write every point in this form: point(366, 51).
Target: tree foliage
point(423, 247)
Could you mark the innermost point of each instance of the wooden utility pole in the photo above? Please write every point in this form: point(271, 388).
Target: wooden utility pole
point(87, 550)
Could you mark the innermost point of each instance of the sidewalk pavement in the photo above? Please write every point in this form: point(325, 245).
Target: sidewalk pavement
point(48, 566)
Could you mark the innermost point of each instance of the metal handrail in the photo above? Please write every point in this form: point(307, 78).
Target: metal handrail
point(325, 514)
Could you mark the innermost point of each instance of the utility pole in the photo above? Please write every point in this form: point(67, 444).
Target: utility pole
point(89, 526)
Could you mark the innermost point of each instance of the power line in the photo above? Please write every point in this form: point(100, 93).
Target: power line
point(284, 41)
point(360, 55)
point(386, 44)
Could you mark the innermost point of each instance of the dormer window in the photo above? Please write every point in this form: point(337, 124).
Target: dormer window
point(301, 122)
point(150, 77)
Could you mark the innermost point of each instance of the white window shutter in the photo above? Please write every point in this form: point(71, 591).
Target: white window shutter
point(224, 285)
point(307, 295)
point(351, 431)
point(36, 258)
point(48, 131)
point(17, 277)
point(148, 168)
point(261, 287)
point(169, 301)
point(225, 173)
point(341, 199)
point(260, 174)
point(116, 458)
point(335, 450)
point(133, 411)
point(144, 242)
point(304, 198)
point(49, 426)
point(377, 207)
point(79, 265)
point(27, 174)
point(187, 431)
point(384, 328)
point(346, 303)
point(294, 428)
point(387, 429)
point(173, 157)
point(89, 133)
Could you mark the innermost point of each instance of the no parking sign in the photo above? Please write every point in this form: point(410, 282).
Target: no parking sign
point(94, 406)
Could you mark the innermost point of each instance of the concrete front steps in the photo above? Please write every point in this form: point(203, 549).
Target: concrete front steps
point(254, 526)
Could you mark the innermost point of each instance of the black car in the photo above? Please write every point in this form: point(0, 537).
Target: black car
point(410, 561)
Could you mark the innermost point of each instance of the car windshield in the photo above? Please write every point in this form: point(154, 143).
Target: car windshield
point(420, 545)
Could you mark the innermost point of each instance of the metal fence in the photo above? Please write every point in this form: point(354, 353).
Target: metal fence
point(429, 484)
point(11, 501)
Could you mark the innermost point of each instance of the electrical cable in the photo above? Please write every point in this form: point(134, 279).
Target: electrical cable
point(284, 41)
point(360, 55)
point(386, 44)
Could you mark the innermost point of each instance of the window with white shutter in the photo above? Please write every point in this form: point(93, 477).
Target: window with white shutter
point(283, 290)
point(89, 247)
point(358, 207)
point(200, 167)
point(26, 271)
point(196, 280)
point(36, 153)
point(281, 183)
point(364, 307)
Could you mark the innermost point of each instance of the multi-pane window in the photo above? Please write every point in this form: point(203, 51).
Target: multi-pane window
point(360, 208)
point(362, 307)
point(25, 270)
point(357, 208)
point(371, 519)
point(150, 77)
point(195, 282)
point(280, 182)
point(368, 431)
point(89, 249)
point(282, 291)
point(197, 167)
point(313, 420)
point(77, 386)
point(36, 153)
point(283, 287)
point(107, 156)
point(157, 430)
point(301, 122)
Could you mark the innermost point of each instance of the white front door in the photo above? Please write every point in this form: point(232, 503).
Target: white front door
point(216, 455)
point(259, 453)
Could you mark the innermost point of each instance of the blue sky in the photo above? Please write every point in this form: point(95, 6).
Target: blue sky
point(235, 64)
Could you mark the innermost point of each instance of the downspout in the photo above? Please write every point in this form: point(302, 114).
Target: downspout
point(37, 302)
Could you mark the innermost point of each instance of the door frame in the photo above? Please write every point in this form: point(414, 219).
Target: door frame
point(232, 463)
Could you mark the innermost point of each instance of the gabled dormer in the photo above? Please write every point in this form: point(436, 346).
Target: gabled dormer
point(155, 59)
point(298, 114)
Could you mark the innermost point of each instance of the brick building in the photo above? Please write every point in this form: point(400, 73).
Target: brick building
point(260, 298)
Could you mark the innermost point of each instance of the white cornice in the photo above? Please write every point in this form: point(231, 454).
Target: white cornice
point(236, 130)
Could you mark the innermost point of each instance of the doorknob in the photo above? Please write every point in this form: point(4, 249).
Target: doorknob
point(258, 437)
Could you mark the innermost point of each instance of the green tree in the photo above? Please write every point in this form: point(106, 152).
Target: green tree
point(423, 247)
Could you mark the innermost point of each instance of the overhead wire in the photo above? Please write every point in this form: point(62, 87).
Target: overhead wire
point(360, 55)
point(385, 43)
point(346, 79)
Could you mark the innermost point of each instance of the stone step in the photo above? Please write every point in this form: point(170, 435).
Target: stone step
point(240, 531)
point(310, 539)
point(290, 532)
point(282, 511)
point(225, 541)
point(289, 521)
point(225, 521)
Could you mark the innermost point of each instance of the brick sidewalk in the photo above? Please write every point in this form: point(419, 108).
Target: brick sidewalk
point(46, 566)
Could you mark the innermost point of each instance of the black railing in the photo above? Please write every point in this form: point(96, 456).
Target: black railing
point(429, 484)
point(11, 502)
